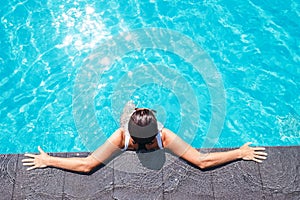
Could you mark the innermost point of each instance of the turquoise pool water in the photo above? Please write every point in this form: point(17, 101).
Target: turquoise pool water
point(251, 47)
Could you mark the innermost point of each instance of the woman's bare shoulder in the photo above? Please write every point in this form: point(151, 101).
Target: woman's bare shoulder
point(118, 137)
point(167, 132)
point(167, 136)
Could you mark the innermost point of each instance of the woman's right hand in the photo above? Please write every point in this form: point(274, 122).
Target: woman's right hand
point(36, 160)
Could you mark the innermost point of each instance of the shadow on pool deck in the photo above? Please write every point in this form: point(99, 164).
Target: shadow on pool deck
point(125, 178)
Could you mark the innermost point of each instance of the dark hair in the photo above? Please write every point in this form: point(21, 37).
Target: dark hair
point(142, 126)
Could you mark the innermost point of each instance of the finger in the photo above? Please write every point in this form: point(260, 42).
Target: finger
point(261, 157)
point(40, 149)
point(30, 155)
point(247, 144)
point(256, 160)
point(28, 160)
point(31, 168)
point(259, 148)
point(28, 164)
point(261, 153)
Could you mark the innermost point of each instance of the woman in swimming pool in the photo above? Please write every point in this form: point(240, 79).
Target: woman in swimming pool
point(143, 132)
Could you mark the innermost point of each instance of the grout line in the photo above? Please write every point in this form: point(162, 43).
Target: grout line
point(212, 184)
point(15, 178)
point(261, 181)
point(163, 183)
point(64, 181)
point(113, 181)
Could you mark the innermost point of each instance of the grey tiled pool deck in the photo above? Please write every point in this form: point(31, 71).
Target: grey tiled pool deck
point(124, 177)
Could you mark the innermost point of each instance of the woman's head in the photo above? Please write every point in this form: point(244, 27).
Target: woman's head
point(142, 126)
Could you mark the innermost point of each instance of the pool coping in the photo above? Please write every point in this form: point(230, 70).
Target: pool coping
point(125, 178)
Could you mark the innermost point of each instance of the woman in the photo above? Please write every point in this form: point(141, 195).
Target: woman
point(143, 132)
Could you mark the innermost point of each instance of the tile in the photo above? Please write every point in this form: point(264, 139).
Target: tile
point(281, 172)
point(184, 181)
point(8, 164)
point(96, 185)
point(138, 176)
point(237, 180)
point(282, 196)
point(38, 184)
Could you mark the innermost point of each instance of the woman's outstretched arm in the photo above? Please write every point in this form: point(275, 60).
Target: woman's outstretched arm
point(42, 160)
point(174, 143)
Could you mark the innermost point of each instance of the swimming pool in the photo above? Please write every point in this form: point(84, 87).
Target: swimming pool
point(250, 49)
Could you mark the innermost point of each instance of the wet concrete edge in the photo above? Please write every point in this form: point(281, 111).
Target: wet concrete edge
point(276, 178)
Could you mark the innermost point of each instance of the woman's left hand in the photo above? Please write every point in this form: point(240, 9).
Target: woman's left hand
point(256, 154)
